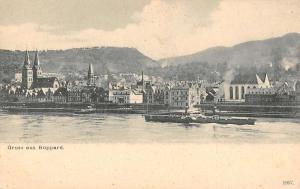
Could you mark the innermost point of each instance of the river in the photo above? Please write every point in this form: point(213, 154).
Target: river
point(131, 128)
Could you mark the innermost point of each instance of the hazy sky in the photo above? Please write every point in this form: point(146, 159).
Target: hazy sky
point(158, 28)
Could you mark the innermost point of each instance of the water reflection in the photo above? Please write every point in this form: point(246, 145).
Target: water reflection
point(115, 128)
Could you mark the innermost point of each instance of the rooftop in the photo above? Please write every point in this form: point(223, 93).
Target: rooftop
point(248, 79)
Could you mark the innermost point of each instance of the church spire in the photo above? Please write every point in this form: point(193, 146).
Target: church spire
point(26, 73)
point(37, 70)
point(26, 61)
point(91, 78)
point(91, 71)
point(36, 59)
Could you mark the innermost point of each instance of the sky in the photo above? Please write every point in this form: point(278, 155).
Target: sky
point(157, 28)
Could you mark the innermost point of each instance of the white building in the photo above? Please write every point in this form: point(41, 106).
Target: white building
point(125, 96)
point(186, 95)
point(242, 84)
point(18, 77)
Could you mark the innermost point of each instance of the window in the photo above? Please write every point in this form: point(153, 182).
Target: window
point(231, 92)
point(237, 92)
point(243, 92)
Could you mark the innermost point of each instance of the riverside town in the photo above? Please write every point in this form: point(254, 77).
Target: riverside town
point(239, 94)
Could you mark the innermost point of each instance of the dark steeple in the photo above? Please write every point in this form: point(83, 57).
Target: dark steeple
point(91, 78)
point(90, 72)
point(37, 70)
point(26, 61)
point(27, 73)
point(36, 59)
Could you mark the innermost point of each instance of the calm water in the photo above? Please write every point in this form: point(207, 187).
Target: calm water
point(116, 128)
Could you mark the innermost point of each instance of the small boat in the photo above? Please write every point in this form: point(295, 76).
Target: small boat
point(88, 110)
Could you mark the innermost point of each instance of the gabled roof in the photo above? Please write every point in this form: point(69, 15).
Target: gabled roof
point(41, 93)
point(249, 78)
point(262, 76)
point(245, 79)
point(44, 82)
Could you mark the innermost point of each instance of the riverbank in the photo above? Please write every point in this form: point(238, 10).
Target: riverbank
point(223, 109)
point(74, 107)
point(248, 110)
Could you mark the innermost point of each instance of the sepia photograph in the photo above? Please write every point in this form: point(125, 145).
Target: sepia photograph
point(158, 94)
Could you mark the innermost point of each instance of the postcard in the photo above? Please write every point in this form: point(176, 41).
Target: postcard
point(152, 94)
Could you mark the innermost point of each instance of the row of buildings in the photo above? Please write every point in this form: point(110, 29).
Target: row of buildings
point(258, 90)
point(38, 86)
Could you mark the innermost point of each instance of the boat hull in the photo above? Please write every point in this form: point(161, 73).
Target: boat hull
point(235, 121)
point(86, 111)
point(189, 119)
point(166, 118)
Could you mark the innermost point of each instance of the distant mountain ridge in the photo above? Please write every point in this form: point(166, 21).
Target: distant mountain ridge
point(281, 53)
point(104, 60)
point(260, 51)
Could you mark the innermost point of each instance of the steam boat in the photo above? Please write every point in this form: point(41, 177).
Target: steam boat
point(175, 118)
point(186, 117)
point(192, 118)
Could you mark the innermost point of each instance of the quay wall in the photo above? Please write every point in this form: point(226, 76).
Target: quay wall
point(242, 107)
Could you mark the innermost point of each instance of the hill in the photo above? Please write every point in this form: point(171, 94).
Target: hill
point(104, 60)
point(243, 53)
point(281, 54)
point(278, 57)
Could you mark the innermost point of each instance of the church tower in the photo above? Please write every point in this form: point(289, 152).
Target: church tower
point(91, 78)
point(37, 70)
point(27, 75)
